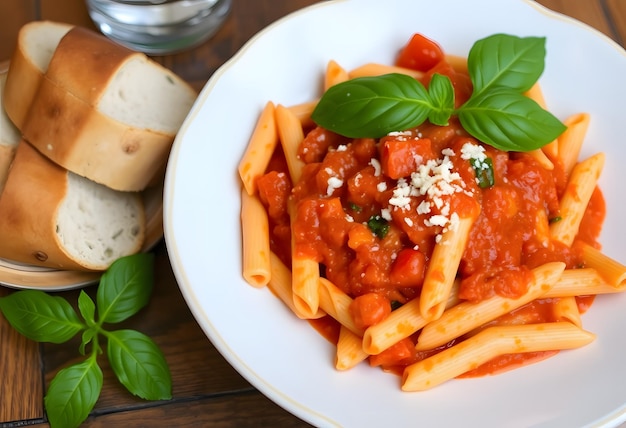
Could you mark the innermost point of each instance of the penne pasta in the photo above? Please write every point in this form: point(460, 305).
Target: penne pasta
point(291, 135)
point(375, 69)
point(280, 285)
point(303, 113)
point(488, 344)
point(256, 241)
point(336, 303)
point(467, 316)
point(260, 149)
point(572, 139)
point(582, 182)
point(334, 74)
point(566, 309)
point(610, 269)
point(349, 350)
point(442, 269)
point(400, 324)
point(580, 282)
point(550, 150)
point(458, 63)
point(412, 242)
point(305, 285)
point(542, 158)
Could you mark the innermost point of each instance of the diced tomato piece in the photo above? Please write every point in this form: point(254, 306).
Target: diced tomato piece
point(400, 353)
point(274, 190)
point(408, 269)
point(420, 53)
point(401, 156)
point(369, 309)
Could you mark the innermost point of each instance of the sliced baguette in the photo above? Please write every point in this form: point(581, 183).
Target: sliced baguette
point(74, 135)
point(54, 218)
point(9, 137)
point(36, 44)
point(137, 107)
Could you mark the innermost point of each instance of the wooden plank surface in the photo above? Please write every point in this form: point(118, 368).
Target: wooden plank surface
point(616, 10)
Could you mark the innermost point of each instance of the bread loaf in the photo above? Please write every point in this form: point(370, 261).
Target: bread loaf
point(36, 43)
point(99, 109)
point(54, 218)
point(9, 137)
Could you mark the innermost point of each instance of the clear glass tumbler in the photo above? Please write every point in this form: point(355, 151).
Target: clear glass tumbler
point(158, 26)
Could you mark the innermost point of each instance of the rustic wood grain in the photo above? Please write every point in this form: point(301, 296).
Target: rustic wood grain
point(21, 385)
point(207, 391)
point(589, 12)
point(616, 9)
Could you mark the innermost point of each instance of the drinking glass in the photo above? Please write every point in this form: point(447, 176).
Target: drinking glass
point(158, 26)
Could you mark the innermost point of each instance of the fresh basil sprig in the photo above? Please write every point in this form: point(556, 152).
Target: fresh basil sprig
point(136, 360)
point(501, 67)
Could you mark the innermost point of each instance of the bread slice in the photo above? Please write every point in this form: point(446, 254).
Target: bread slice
point(122, 84)
point(9, 137)
point(54, 218)
point(101, 110)
point(36, 44)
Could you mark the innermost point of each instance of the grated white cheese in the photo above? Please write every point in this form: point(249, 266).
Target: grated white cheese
point(381, 187)
point(377, 168)
point(333, 183)
point(386, 214)
point(434, 180)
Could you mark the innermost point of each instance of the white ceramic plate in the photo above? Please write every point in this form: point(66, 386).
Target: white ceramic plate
point(285, 358)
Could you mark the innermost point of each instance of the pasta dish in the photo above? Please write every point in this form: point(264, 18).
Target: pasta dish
point(428, 251)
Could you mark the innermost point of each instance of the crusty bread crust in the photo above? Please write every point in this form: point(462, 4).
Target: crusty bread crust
point(56, 107)
point(74, 135)
point(95, 57)
point(9, 138)
point(24, 72)
point(6, 157)
point(29, 205)
point(27, 226)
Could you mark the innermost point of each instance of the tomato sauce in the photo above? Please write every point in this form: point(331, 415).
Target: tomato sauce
point(370, 234)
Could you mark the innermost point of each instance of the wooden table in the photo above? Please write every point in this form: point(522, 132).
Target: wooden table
point(207, 391)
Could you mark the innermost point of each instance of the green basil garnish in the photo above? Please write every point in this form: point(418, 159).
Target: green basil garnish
point(379, 226)
point(484, 172)
point(501, 68)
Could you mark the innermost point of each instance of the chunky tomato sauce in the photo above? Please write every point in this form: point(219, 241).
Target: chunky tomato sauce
point(361, 215)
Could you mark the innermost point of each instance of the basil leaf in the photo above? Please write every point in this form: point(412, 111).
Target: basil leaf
point(125, 287)
point(484, 172)
point(379, 226)
point(73, 393)
point(508, 120)
point(40, 316)
point(441, 93)
point(87, 308)
point(372, 107)
point(139, 364)
point(505, 60)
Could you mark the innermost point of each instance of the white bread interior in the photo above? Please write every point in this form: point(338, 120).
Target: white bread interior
point(98, 109)
point(53, 218)
point(36, 44)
